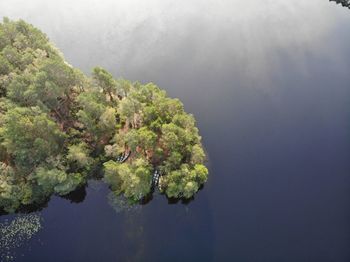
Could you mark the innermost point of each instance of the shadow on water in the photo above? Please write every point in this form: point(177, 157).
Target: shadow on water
point(28, 208)
point(76, 196)
point(171, 201)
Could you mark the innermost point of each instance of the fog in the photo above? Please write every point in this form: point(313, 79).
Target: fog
point(216, 34)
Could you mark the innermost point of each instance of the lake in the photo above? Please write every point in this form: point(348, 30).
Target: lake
point(269, 84)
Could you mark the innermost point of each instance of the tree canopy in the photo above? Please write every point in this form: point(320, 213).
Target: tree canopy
point(345, 3)
point(58, 126)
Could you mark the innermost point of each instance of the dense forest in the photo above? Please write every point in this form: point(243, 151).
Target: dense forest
point(58, 128)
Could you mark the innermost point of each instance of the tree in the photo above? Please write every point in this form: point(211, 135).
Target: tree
point(132, 139)
point(147, 138)
point(108, 121)
point(198, 155)
point(57, 181)
point(96, 116)
point(19, 90)
point(79, 154)
point(112, 171)
point(190, 189)
point(9, 197)
point(30, 136)
point(170, 137)
point(129, 109)
point(105, 80)
point(173, 190)
point(200, 173)
point(137, 183)
point(5, 66)
point(134, 179)
point(123, 87)
point(53, 86)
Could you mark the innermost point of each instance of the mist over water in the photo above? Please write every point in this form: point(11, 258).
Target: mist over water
point(134, 38)
point(269, 84)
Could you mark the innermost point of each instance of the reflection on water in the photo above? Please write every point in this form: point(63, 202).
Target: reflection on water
point(138, 39)
point(121, 204)
point(134, 235)
point(16, 233)
point(345, 3)
point(268, 82)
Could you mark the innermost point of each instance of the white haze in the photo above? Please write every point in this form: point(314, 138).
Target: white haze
point(142, 36)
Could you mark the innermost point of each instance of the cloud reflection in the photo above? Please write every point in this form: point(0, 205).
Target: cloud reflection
point(134, 38)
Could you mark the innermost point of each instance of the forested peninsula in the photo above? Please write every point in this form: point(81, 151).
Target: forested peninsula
point(59, 128)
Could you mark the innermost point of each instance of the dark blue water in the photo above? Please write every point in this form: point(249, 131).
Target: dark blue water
point(269, 85)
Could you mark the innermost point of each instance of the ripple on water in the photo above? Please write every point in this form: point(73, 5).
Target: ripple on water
point(16, 232)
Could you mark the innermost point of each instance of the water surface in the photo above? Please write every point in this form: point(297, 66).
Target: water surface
point(269, 84)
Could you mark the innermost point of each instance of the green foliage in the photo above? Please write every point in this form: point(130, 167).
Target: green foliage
point(30, 136)
point(98, 118)
point(147, 138)
point(5, 66)
point(105, 81)
point(57, 181)
point(158, 128)
point(132, 139)
point(79, 155)
point(10, 198)
point(130, 109)
point(185, 181)
point(112, 177)
point(55, 123)
point(198, 155)
point(134, 179)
